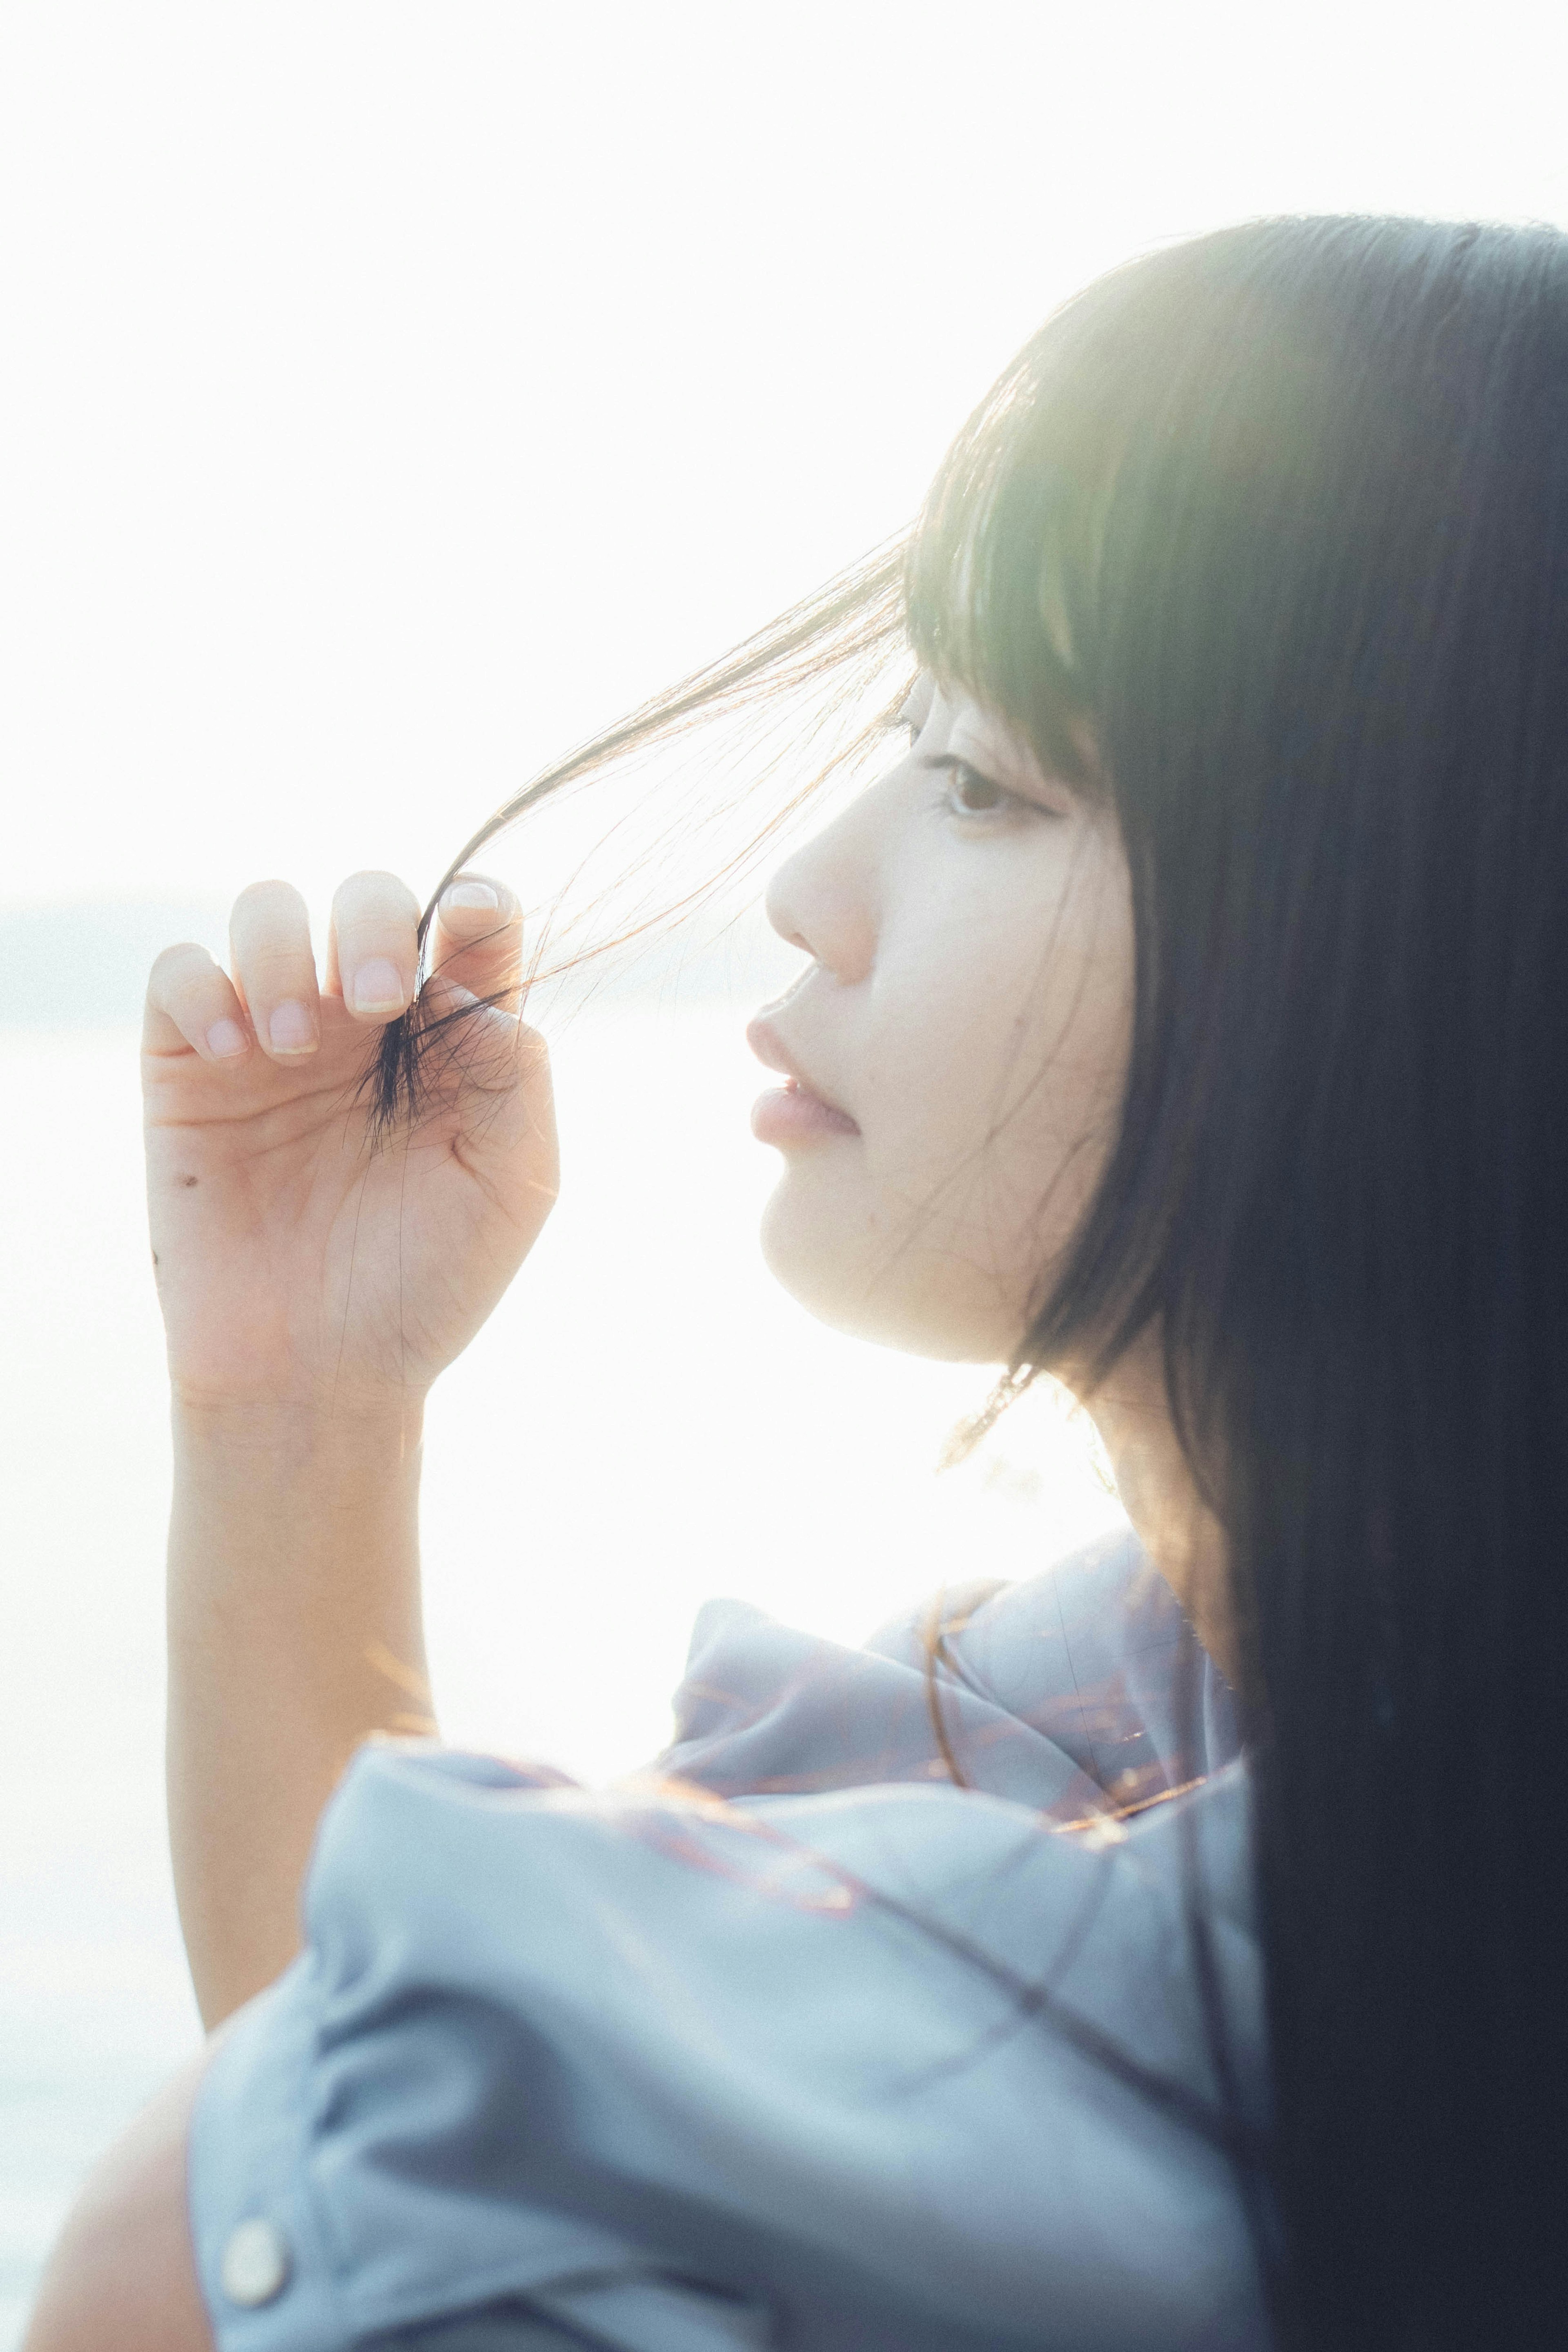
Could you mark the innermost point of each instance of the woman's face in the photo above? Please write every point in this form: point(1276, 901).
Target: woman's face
point(957, 1047)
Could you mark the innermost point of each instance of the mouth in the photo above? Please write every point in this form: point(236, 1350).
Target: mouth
point(795, 1112)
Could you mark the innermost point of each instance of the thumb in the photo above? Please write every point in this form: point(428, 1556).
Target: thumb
point(471, 1045)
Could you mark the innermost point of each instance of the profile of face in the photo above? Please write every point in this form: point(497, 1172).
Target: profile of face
point(955, 1052)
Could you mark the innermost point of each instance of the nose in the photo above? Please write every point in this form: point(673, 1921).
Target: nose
point(824, 897)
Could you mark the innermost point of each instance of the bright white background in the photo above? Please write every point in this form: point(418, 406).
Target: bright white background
point(389, 394)
point(393, 392)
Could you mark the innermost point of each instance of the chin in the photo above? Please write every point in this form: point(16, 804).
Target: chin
point(844, 1271)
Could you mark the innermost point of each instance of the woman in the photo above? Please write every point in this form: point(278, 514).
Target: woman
point(1185, 1017)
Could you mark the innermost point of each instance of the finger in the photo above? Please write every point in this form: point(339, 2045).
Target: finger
point(269, 936)
point(191, 1004)
point(372, 950)
point(479, 938)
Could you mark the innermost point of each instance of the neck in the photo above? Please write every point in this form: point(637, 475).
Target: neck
point(1174, 1526)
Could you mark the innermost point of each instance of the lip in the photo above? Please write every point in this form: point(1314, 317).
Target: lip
point(795, 1112)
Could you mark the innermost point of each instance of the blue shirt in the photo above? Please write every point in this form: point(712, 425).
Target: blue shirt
point(788, 2041)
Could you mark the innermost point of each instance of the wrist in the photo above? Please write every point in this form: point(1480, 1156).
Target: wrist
point(378, 1431)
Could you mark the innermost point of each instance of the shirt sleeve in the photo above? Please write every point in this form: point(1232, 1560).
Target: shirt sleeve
point(671, 2074)
point(509, 2327)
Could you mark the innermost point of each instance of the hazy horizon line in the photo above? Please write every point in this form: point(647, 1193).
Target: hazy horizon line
point(75, 964)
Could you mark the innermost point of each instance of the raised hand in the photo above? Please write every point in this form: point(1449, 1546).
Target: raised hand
point(301, 1262)
point(314, 1279)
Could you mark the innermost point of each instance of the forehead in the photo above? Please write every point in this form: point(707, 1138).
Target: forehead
point(930, 701)
point(952, 707)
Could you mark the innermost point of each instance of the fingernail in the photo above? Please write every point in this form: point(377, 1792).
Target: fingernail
point(471, 894)
point(290, 1029)
point(378, 987)
point(226, 1038)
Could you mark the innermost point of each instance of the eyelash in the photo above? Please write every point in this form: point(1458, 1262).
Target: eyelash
point(948, 764)
point(956, 771)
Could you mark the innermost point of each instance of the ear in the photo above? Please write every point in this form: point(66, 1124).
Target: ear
point(123, 2273)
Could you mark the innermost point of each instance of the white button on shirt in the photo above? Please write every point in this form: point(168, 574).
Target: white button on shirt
point(255, 2265)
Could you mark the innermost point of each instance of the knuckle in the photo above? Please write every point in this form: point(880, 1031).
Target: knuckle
point(274, 969)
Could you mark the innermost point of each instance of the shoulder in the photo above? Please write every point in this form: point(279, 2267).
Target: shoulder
point(1062, 1692)
point(651, 2069)
point(776, 2064)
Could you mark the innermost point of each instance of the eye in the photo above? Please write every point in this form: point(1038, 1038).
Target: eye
point(969, 793)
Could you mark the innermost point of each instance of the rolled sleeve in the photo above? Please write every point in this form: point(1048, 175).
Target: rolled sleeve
point(378, 2143)
point(249, 2179)
point(683, 2075)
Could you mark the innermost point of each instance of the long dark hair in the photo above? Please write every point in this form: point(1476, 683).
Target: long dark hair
point(1280, 514)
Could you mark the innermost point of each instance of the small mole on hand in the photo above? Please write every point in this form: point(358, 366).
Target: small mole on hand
point(188, 1181)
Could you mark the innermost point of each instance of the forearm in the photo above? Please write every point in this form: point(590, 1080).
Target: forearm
point(294, 1631)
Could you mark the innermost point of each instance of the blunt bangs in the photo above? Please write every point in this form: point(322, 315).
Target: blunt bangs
point(1005, 562)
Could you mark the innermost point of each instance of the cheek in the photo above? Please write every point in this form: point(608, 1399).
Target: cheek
point(989, 1071)
point(993, 1090)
